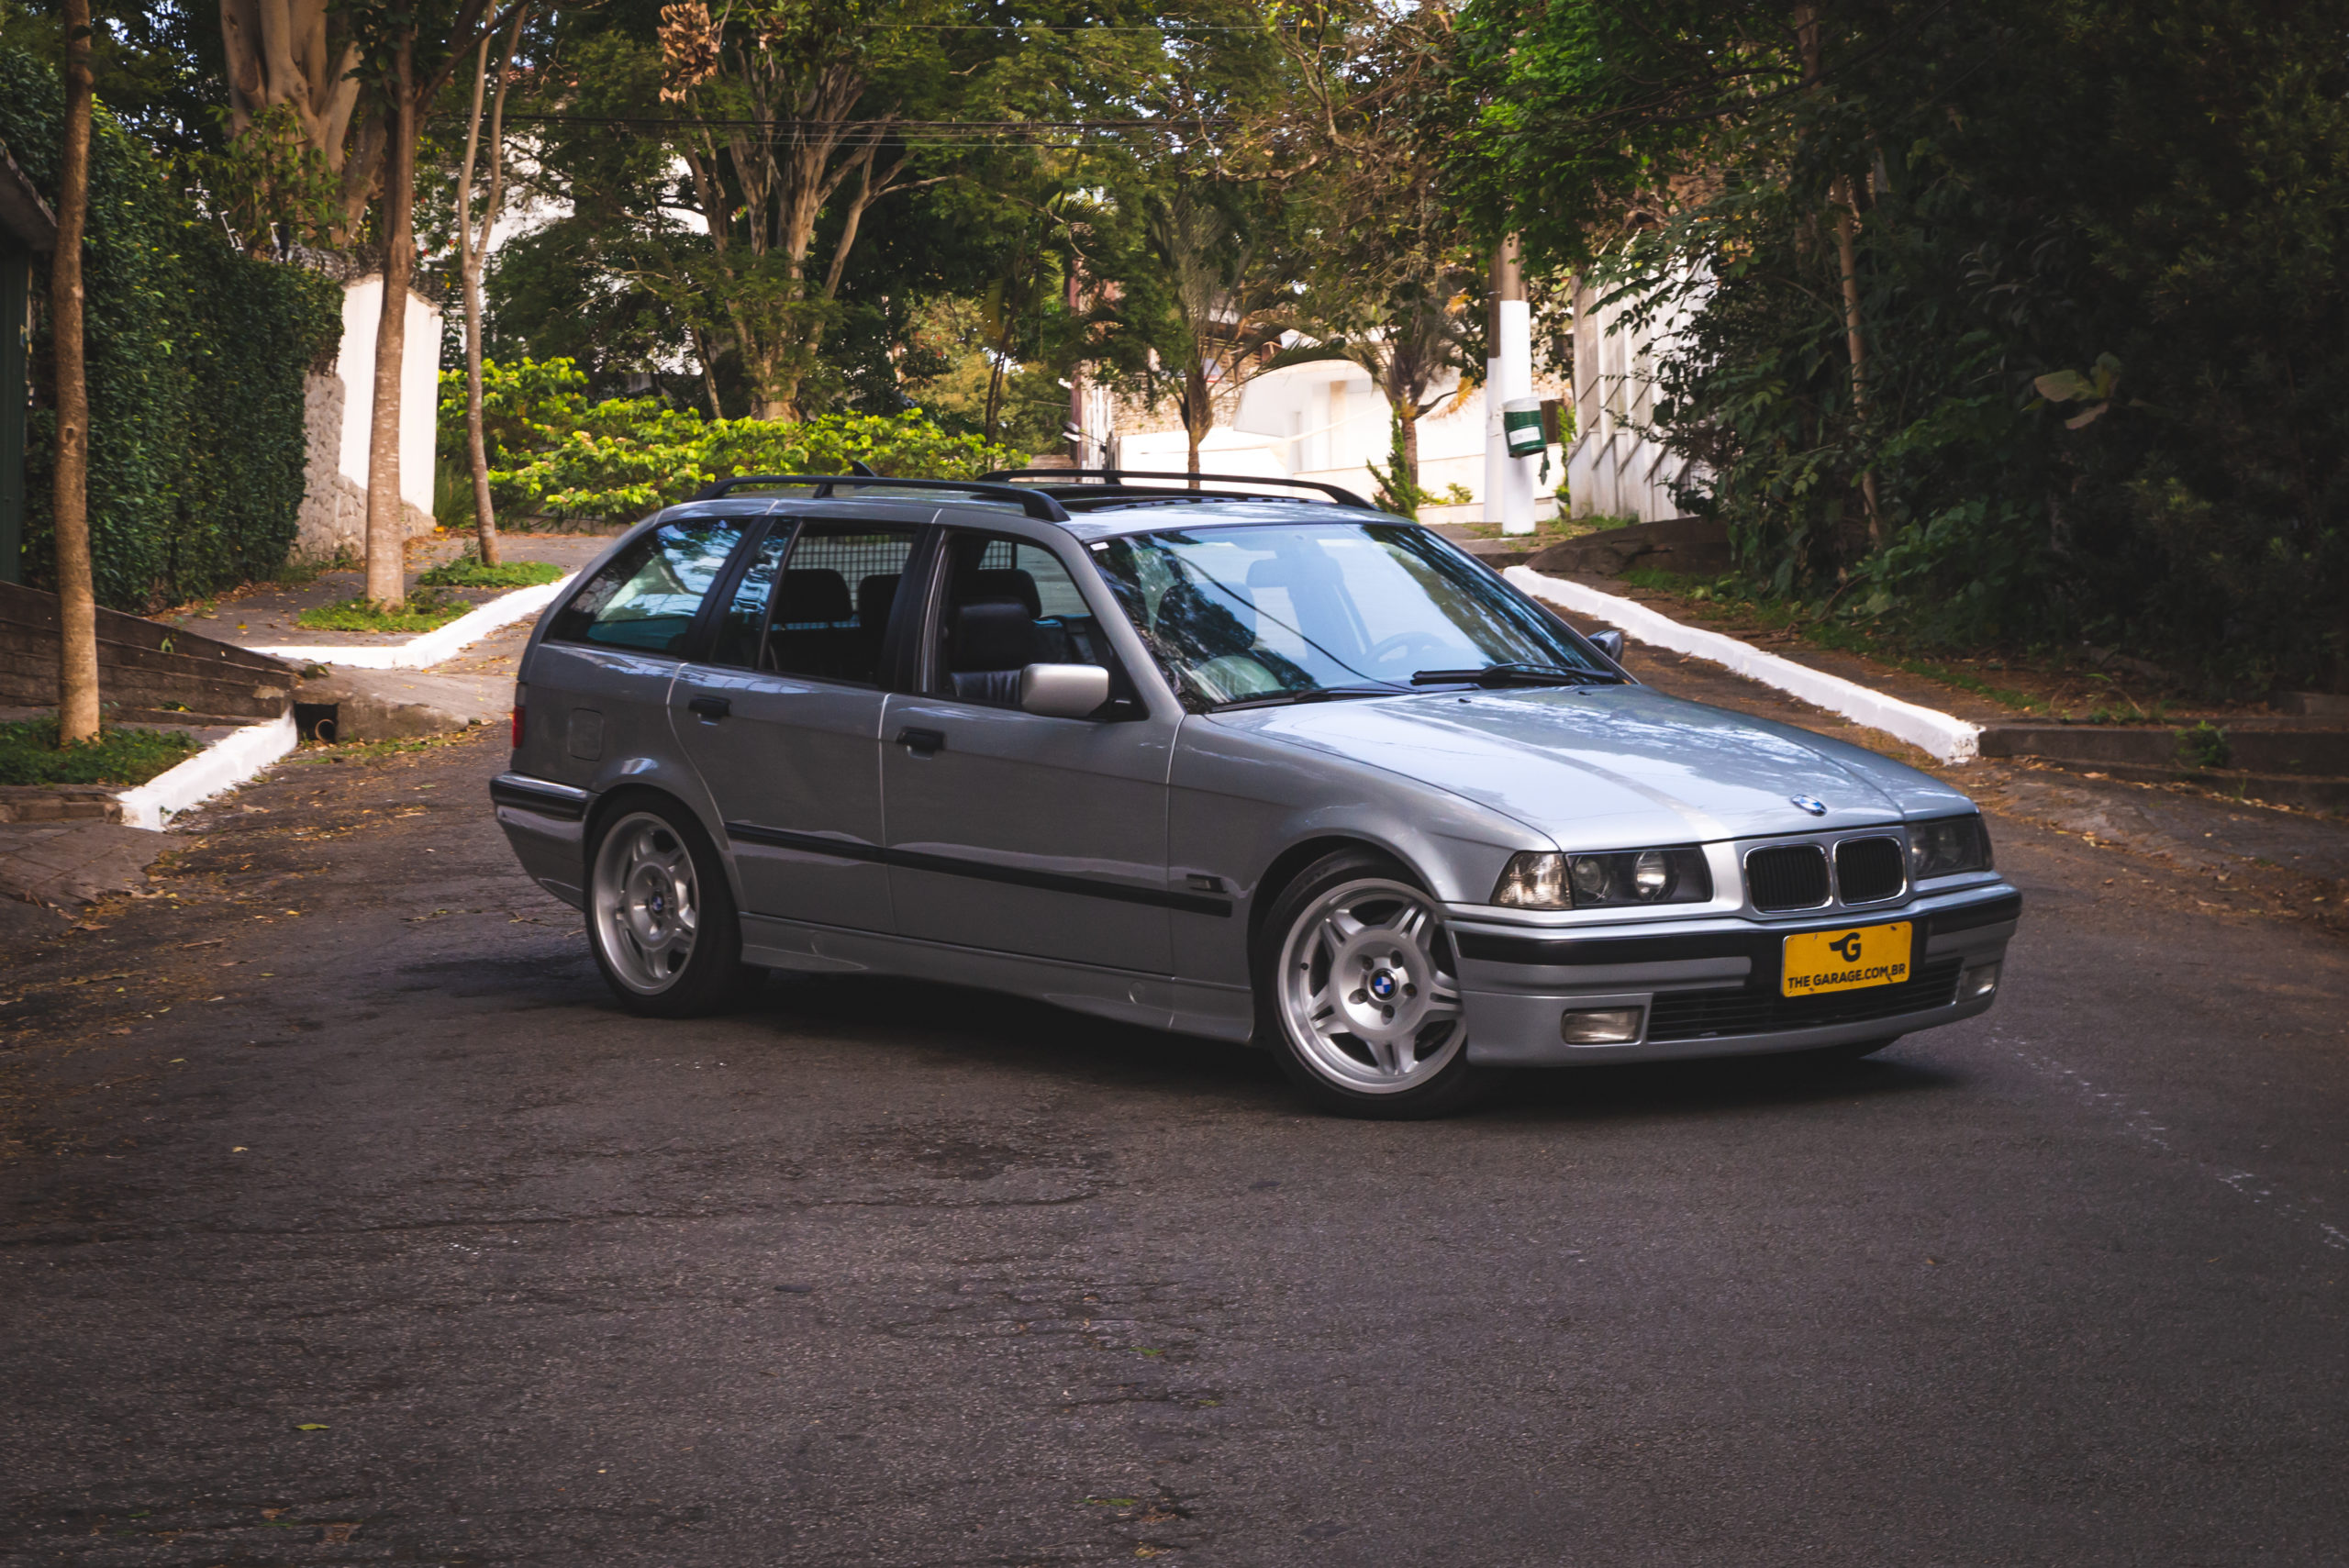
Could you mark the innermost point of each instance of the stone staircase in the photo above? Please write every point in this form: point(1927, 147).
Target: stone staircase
point(148, 672)
point(2282, 758)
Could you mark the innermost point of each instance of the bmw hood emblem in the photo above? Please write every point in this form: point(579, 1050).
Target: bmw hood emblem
point(1810, 803)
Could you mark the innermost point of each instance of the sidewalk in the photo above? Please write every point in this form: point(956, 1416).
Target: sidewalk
point(263, 615)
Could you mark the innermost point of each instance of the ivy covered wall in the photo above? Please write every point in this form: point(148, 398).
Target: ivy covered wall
point(197, 356)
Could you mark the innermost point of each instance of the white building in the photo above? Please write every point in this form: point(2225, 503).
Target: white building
point(340, 417)
point(1612, 469)
point(1325, 420)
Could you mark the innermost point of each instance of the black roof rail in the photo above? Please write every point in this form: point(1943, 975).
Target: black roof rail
point(1034, 503)
point(1115, 475)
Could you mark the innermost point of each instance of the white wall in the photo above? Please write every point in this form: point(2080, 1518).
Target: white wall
point(362, 307)
point(1613, 468)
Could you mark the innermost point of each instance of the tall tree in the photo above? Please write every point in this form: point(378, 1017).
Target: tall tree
point(77, 606)
point(794, 112)
point(294, 98)
point(1393, 279)
point(1217, 296)
point(409, 51)
point(2078, 345)
point(471, 247)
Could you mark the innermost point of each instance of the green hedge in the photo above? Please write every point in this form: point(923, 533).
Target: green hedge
point(553, 452)
point(197, 356)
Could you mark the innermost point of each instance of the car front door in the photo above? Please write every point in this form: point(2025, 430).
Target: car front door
point(1009, 830)
point(782, 714)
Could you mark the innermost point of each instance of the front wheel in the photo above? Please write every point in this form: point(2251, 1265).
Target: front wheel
point(1358, 992)
point(660, 917)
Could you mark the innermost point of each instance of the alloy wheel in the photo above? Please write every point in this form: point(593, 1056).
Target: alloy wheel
point(646, 903)
point(1367, 988)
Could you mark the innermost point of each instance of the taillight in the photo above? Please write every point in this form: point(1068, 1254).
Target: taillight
point(518, 727)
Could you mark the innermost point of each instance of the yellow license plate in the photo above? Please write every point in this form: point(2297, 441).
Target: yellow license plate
point(1848, 960)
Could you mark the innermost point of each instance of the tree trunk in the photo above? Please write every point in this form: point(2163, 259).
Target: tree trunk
point(386, 525)
point(471, 250)
point(77, 609)
point(1408, 433)
point(1855, 342)
point(1807, 37)
point(708, 375)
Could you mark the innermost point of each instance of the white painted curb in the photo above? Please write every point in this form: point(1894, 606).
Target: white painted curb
point(1945, 736)
point(429, 648)
point(227, 762)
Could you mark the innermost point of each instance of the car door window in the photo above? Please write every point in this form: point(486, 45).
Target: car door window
point(830, 611)
point(744, 621)
point(645, 599)
point(1009, 604)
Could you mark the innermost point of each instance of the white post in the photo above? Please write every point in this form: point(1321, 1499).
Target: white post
point(1509, 373)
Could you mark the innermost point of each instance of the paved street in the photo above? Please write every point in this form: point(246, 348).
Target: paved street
point(342, 1220)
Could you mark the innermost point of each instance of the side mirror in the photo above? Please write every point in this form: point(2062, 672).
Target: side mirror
point(1063, 691)
point(1609, 642)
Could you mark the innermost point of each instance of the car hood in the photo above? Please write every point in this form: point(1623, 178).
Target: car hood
point(1612, 767)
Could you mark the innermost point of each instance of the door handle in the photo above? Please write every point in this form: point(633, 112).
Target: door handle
point(921, 743)
point(712, 707)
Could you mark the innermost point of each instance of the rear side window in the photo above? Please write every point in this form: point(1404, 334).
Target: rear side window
point(831, 612)
point(645, 599)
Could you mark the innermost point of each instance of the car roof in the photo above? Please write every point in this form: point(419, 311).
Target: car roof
point(1093, 511)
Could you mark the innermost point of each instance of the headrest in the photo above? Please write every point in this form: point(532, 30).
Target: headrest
point(992, 636)
point(1007, 584)
point(814, 593)
point(874, 597)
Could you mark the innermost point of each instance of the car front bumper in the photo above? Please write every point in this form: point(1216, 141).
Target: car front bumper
point(1710, 987)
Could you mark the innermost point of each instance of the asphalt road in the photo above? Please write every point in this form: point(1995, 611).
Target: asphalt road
point(342, 1220)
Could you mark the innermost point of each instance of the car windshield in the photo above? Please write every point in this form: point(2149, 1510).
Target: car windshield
point(1284, 610)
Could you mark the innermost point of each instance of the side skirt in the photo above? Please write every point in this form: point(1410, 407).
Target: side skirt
point(1153, 1001)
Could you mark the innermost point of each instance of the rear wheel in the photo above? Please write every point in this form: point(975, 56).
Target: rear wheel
point(660, 917)
point(1358, 992)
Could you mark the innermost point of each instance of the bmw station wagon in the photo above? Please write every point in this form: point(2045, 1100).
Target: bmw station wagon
point(1215, 759)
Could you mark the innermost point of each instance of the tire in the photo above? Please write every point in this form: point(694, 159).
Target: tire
point(1393, 1047)
point(661, 918)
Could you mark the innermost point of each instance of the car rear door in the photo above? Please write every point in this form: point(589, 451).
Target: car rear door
point(782, 716)
point(598, 683)
point(1008, 830)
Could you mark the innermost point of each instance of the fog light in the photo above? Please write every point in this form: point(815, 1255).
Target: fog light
point(1602, 1025)
point(1977, 983)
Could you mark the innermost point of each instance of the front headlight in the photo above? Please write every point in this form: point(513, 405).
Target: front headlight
point(1545, 879)
point(1946, 846)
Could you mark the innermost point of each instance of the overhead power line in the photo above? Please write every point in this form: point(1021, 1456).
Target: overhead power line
point(912, 133)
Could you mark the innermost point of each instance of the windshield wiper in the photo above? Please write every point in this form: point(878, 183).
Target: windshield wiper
point(1311, 694)
point(1514, 675)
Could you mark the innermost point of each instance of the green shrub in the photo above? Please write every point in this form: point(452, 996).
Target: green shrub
point(424, 610)
point(467, 571)
point(552, 452)
point(29, 755)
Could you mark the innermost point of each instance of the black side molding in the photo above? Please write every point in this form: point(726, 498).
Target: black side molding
point(979, 870)
point(560, 801)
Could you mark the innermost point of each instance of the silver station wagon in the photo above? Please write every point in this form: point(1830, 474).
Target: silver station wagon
point(1216, 759)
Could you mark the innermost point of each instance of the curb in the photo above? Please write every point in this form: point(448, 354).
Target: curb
point(222, 765)
point(1944, 736)
point(427, 649)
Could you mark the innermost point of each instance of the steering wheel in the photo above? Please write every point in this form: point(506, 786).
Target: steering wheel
point(1416, 643)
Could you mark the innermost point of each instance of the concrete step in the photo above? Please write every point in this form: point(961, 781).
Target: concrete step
point(2261, 745)
point(2306, 792)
